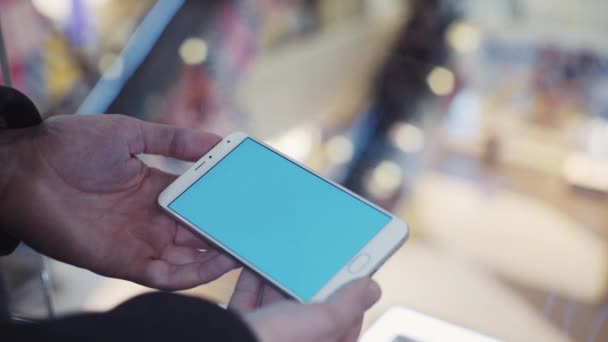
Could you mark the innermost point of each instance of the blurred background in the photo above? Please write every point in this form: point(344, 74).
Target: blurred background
point(484, 124)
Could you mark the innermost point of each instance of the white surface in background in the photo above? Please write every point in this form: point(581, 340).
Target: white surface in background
point(401, 322)
point(451, 287)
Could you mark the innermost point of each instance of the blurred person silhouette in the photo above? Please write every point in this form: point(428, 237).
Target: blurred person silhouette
point(400, 87)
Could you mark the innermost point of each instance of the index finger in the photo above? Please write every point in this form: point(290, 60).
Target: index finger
point(247, 292)
point(169, 141)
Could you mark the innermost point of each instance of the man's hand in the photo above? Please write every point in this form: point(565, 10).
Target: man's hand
point(79, 193)
point(274, 319)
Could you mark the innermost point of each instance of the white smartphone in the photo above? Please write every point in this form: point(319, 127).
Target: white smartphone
point(304, 234)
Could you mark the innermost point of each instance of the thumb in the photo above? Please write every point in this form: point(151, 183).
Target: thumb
point(350, 302)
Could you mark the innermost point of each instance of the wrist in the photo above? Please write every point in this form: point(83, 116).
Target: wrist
point(14, 145)
point(7, 160)
point(18, 113)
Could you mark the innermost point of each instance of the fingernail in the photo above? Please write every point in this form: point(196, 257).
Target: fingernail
point(374, 292)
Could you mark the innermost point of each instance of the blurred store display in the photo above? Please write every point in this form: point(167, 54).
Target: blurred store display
point(57, 48)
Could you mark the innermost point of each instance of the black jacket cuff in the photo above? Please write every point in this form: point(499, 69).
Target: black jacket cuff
point(150, 317)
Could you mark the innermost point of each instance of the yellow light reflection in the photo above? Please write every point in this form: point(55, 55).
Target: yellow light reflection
point(441, 81)
point(106, 61)
point(111, 66)
point(407, 137)
point(464, 37)
point(339, 149)
point(193, 51)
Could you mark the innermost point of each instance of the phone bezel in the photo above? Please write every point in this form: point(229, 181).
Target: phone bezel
point(379, 248)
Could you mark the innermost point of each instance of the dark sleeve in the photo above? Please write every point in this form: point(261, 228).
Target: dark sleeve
point(150, 317)
point(16, 111)
point(7, 244)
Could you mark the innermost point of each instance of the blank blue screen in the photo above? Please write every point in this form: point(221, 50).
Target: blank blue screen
point(290, 224)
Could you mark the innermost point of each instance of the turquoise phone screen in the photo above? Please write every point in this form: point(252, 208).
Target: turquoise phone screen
point(290, 224)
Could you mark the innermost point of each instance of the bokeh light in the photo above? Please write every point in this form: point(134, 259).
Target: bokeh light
point(407, 137)
point(339, 149)
point(384, 179)
point(56, 10)
point(296, 143)
point(193, 51)
point(441, 81)
point(464, 37)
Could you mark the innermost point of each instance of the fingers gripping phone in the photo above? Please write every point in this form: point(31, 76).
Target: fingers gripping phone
point(306, 235)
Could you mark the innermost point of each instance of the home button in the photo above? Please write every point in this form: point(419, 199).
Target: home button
point(359, 263)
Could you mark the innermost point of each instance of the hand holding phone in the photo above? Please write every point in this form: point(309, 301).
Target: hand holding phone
point(338, 319)
point(97, 200)
point(304, 234)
